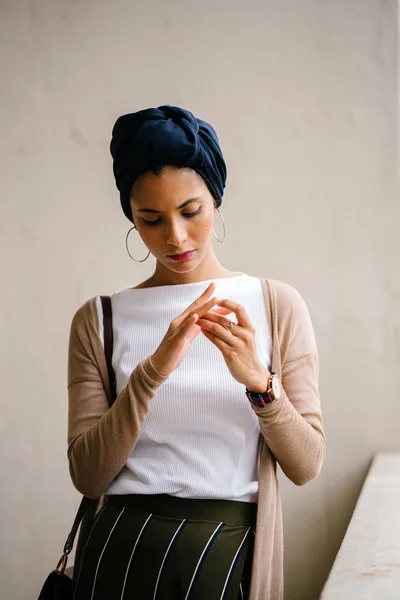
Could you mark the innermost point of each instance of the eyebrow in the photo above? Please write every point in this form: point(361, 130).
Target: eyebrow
point(158, 212)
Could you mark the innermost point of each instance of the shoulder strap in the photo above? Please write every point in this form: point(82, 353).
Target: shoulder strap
point(86, 502)
point(108, 343)
point(84, 505)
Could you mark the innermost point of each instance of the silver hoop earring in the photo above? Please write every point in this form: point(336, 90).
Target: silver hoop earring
point(223, 224)
point(127, 249)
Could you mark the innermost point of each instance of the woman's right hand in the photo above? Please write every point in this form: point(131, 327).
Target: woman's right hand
point(181, 333)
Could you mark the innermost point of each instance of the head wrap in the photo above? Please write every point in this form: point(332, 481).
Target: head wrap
point(165, 136)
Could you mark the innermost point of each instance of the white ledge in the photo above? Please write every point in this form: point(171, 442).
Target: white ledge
point(367, 566)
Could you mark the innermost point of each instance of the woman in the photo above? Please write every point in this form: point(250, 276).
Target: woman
point(217, 380)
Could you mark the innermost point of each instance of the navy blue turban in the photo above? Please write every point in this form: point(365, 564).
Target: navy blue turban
point(163, 136)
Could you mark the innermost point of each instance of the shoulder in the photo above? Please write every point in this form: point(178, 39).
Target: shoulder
point(288, 298)
point(293, 317)
point(86, 317)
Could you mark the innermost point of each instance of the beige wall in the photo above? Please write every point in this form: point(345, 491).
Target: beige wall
point(303, 96)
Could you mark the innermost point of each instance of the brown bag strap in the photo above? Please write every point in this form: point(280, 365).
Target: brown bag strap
point(87, 503)
point(108, 343)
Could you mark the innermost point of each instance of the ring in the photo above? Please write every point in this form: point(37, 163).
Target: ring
point(229, 327)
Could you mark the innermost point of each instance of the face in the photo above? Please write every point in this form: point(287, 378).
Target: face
point(174, 214)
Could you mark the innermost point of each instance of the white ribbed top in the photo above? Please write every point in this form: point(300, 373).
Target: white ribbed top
point(200, 438)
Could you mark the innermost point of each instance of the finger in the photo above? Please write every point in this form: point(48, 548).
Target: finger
point(217, 330)
point(239, 310)
point(202, 310)
point(221, 311)
point(207, 292)
point(191, 321)
point(199, 301)
point(220, 344)
point(215, 318)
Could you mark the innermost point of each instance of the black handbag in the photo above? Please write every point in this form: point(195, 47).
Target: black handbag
point(59, 584)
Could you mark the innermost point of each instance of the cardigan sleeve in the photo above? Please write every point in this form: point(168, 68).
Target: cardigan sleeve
point(100, 439)
point(292, 426)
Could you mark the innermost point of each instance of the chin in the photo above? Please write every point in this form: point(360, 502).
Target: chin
point(181, 268)
point(184, 266)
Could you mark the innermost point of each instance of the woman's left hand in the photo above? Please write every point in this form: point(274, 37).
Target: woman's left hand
point(237, 344)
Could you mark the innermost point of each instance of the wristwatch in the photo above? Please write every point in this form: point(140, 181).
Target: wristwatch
point(274, 392)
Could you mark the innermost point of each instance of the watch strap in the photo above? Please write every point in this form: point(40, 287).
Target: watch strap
point(263, 399)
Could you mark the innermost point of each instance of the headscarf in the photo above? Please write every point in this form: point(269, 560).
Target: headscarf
point(165, 136)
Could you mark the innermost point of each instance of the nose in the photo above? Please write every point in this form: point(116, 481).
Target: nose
point(176, 234)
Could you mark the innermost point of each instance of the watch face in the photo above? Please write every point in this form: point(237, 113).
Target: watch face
point(276, 387)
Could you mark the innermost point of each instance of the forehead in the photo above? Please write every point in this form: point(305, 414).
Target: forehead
point(168, 190)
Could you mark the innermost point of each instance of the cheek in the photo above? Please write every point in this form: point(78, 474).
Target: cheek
point(148, 236)
point(152, 238)
point(204, 226)
point(200, 234)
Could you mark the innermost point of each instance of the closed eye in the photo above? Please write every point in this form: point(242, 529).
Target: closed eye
point(187, 215)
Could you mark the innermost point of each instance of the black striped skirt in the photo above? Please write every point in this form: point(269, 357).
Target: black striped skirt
point(162, 547)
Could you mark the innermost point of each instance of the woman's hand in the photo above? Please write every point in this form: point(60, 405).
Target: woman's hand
point(237, 344)
point(181, 333)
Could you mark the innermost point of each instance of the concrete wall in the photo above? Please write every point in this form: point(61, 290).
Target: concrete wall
point(367, 565)
point(304, 98)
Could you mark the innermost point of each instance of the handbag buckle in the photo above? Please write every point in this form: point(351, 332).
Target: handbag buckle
point(62, 563)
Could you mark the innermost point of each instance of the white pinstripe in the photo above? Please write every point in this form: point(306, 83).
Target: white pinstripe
point(97, 517)
point(233, 562)
point(241, 591)
point(133, 552)
point(200, 559)
point(102, 552)
point(165, 556)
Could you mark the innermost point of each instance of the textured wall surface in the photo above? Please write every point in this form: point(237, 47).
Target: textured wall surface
point(367, 565)
point(304, 96)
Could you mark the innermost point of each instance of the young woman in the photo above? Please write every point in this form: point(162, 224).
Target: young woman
point(217, 381)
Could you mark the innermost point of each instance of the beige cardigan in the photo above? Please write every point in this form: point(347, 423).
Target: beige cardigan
point(100, 439)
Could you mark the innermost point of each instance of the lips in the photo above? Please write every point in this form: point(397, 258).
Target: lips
point(182, 256)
